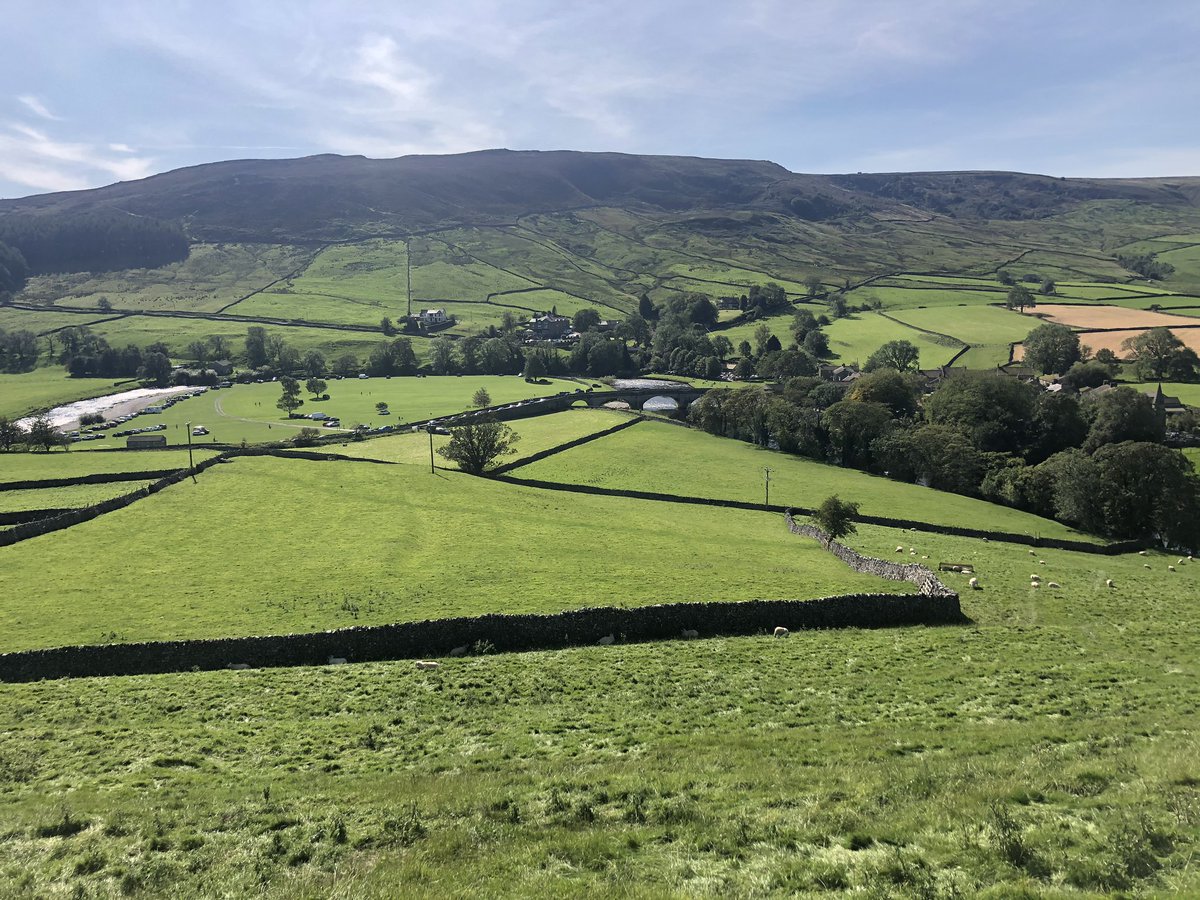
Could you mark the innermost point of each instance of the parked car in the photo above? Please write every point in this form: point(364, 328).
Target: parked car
point(199, 431)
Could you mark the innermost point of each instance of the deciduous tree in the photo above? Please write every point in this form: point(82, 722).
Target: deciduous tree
point(477, 445)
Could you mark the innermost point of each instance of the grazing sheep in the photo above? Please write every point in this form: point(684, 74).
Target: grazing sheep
point(1035, 577)
point(461, 650)
point(899, 549)
point(1145, 565)
point(1180, 563)
point(1143, 553)
point(974, 583)
point(1035, 584)
point(337, 660)
point(427, 664)
point(924, 557)
point(606, 640)
point(1032, 553)
point(689, 633)
point(1053, 584)
point(1108, 582)
point(1170, 568)
point(1041, 562)
point(781, 632)
point(238, 667)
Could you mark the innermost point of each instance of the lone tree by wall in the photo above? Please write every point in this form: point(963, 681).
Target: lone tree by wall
point(315, 386)
point(836, 517)
point(479, 444)
point(481, 398)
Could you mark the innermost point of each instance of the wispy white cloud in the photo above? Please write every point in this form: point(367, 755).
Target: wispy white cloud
point(32, 158)
point(34, 105)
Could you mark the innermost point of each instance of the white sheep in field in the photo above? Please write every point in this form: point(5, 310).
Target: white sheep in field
point(689, 633)
point(781, 632)
point(1032, 553)
point(460, 650)
point(606, 640)
point(1180, 563)
point(1035, 577)
point(1108, 582)
point(337, 661)
point(1145, 565)
point(1041, 562)
point(1143, 553)
point(899, 549)
point(1170, 568)
point(1035, 584)
point(239, 667)
point(1053, 584)
point(974, 583)
point(427, 664)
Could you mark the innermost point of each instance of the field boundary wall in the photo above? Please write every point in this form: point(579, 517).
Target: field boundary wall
point(97, 478)
point(569, 445)
point(926, 581)
point(497, 632)
point(907, 524)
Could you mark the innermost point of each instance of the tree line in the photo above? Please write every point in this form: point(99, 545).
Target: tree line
point(92, 241)
point(1096, 463)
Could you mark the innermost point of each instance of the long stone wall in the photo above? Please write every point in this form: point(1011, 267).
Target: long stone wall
point(569, 445)
point(501, 633)
point(926, 581)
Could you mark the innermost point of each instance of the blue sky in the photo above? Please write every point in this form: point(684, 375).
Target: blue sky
point(96, 92)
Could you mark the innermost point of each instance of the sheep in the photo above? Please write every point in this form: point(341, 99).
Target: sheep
point(1032, 553)
point(337, 661)
point(606, 640)
point(427, 664)
point(781, 632)
point(1108, 582)
point(238, 667)
point(689, 633)
point(1035, 577)
point(899, 549)
point(1180, 563)
point(1143, 553)
point(1170, 568)
point(1041, 562)
point(974, 583)
point(1053, 584)
point(1145, 565)
point(1035, 584)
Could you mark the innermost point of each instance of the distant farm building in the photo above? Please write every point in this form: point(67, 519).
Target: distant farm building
point(549, 327)
point(145, 441)
point(432, 317)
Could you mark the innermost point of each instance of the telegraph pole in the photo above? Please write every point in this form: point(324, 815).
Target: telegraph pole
point(429, 428)
point(767, 470)
point(191, 465)
point(408, 276)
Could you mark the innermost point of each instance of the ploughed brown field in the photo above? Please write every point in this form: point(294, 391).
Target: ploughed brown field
point(1131, 322)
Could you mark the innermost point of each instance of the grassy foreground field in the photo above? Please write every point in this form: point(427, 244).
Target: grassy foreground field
point(654, 456)
point(1047, 750)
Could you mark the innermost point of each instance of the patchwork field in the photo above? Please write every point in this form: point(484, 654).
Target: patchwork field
point(1104, 317)
point(72, 464)
point(401, 544)
point(48, 387)
point(654, 456)
point(70, 497)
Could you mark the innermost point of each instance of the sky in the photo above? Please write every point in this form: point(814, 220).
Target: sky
point(98, 92)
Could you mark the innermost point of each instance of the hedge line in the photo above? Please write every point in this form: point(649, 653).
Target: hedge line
point(499, 632)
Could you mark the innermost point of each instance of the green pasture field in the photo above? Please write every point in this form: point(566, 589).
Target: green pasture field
point(47, 387)
point(971, 324)
point(984, 356)
point(213, 276)
point(854, 338)
point(438, 280)
point(535, 434)
point(1176, 304)
point(42, 321)
point(177, 333)
point(248, 412)
point(665, 458)
point(73, 464)
point(1046, 749)
point(315, 307)
point(544, 300)
point(373, 270)
point(1186, 261)
point(244, 551)
point(989, 283)
point(743, 278)
point(64, 497)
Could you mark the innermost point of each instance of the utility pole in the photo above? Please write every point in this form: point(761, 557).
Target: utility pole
point(767, 470)
point(429, 428)
point(408, 275)
point(191, 465)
